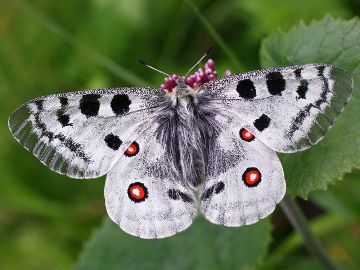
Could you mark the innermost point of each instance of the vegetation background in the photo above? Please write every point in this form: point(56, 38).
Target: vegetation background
point(56, 46)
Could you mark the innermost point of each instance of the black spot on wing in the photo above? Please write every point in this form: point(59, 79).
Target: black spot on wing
point(63, 101)
point(89, 104)
point(184, 197)
point(302, 89)
point(120, 104)
point(246, 89)
point(275, 83)
point(321, 71)
point(298, 73)
point(217, 188)
point(64, 120)
point(175, 194)
point(39, 104)
point(113, 141)
point(262, 122)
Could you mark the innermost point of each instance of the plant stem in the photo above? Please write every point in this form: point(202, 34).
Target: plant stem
point(322, 227)
point(298, 220)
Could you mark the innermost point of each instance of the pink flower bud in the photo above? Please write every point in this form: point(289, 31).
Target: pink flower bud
point(170, 82)
point(198, 80)
point(190, 80)
point(202, 75)
point(208, 71)
point(210, 64)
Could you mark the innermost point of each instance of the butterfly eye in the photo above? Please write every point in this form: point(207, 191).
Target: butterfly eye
point(246, 135)
point(137, 192)
point(251, 177)
point(132, 150)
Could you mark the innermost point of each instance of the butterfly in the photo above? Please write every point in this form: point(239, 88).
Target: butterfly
point(198, 147)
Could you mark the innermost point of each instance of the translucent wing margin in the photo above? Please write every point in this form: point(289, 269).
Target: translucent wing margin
point(289, 109)
point(80, 134)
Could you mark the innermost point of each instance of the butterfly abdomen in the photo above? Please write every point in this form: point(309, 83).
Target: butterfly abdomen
point(186, 129)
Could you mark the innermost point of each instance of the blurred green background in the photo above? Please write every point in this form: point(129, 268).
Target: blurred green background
point(57, 46)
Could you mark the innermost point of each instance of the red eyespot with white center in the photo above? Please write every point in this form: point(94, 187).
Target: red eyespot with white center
point(251, 177)
point(246, 135)
point(137, 192)
point(132, 150)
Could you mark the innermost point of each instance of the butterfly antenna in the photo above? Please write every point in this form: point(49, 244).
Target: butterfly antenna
point(208, 51)
point(151, 67)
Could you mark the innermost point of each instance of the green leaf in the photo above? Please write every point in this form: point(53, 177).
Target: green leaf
point(327, 41)
point(342, 199)
point(202, 246)
point(264, 16)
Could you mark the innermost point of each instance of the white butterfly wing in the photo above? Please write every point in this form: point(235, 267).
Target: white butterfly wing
point(244, 180)
point(91, 133)
point(143, 193)
point(289, 109)
point(81, 134)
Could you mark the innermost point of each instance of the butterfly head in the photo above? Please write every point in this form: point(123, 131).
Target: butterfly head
point(182, 89)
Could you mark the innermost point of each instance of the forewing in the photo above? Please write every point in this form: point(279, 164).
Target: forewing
point(144, 195)
point(244, 180)
point(289, 109)
point(80, 134)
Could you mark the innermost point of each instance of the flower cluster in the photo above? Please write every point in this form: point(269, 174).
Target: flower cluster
point(201, 76)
